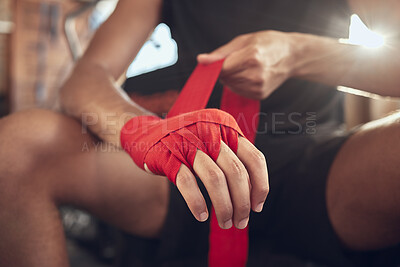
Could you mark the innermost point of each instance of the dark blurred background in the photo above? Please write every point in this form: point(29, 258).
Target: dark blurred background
point(39, 42)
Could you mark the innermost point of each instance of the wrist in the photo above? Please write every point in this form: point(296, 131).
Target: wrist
point(304, 54)
point(313, 55)
point(137, 125)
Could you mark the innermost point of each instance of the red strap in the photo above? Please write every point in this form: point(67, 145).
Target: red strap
point(246, 112)
point(228, 248)
point(165, 144)
point(197, 90)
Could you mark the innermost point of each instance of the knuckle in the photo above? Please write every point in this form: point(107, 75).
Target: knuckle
point(237, 169)
point(258, 157)
point(252, 38)
point(256, 52)
point(244, 209)
point(258, 79)
point(216, 177)
point(184, 179)
point(226, 213)
point(254, 59)
point(264, 189)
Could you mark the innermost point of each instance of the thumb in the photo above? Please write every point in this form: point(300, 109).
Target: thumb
point(209, 58)
point(221, 52)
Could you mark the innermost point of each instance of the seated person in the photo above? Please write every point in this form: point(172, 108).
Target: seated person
point(333, 193)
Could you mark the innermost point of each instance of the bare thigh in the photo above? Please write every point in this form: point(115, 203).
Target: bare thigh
point(53, 158)
point(363, 187)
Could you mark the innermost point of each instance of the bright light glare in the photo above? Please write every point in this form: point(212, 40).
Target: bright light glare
point(359, 34)
point(161, 51)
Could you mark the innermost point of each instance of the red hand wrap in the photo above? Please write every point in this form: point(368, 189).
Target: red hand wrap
point(164, 144)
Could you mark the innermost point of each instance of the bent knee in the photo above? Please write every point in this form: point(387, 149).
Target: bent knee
point(30, 138)
point(37, 129)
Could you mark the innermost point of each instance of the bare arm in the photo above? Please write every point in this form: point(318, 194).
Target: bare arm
point(258, 63)
point(382, 15)
point(91, 94)
point(372, 70)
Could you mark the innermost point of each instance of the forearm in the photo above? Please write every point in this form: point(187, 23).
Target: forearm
point(327, 61)
point(92, 96)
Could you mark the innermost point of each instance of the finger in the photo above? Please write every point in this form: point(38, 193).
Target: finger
point(187, 185)
point(256, 165)
point(246, 79)
point(215, 182)
point(238, 184)
point(240, 60)
point(245, 84)
point(221, 52)
point(209, 58)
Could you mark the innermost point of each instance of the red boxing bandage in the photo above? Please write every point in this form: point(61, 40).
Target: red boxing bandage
point(165, 144)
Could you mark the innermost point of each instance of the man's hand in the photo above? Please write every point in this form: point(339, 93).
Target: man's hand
point(208, 143)
point(255, 64)
point(92, 90)
point(235, 183)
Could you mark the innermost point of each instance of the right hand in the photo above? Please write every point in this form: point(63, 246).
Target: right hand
point(232, 170)
point(235, 183)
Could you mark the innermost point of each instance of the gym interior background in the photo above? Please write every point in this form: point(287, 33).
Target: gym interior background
point(39, 42)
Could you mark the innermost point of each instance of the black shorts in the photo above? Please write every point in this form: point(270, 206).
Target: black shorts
point(293, 229)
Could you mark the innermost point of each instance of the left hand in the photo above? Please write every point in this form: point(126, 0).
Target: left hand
point(256, 63)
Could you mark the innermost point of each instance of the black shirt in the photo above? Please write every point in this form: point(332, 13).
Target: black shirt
point(297, 113)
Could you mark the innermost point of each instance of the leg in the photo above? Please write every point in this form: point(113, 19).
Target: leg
point(363, 187)
point(45, 160)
